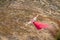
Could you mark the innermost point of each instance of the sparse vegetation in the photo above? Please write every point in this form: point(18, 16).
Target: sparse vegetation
point(15, 13)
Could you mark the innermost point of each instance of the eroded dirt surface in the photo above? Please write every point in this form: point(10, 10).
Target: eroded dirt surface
point(14, 16)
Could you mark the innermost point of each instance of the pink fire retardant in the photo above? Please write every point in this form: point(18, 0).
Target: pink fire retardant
point(40, 25)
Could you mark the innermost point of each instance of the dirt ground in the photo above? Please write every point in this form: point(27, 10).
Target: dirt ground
point(14, 14)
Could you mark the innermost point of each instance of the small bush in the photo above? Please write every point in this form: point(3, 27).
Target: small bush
point(58, 36)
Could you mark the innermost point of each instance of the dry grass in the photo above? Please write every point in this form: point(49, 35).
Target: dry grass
point(14, 17)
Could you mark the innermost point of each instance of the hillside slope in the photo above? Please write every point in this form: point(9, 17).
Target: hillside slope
point(14, 14)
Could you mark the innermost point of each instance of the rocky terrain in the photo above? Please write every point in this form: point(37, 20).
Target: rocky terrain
point(14, 14)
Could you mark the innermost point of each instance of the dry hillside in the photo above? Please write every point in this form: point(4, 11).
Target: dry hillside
point(14, 14)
